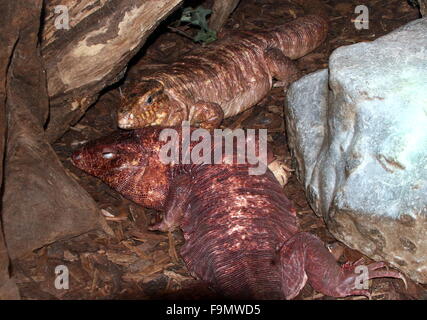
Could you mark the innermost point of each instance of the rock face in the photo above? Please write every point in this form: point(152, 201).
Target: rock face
point(361, 146)
point(41, 203)
point(8, 288)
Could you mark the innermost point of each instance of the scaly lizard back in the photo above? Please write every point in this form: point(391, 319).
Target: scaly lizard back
point(223, 78)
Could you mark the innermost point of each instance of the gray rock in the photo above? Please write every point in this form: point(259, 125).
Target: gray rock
point(361, 146)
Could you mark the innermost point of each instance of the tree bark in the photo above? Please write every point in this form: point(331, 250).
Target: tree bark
point(423, 7)
point(221, 10)
point(93, 53)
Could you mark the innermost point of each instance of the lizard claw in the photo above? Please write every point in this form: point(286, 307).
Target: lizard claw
point(352, 276)
point(402, 277)
point(365, 293)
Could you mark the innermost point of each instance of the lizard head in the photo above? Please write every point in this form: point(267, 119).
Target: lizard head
point(146, 104)
point(128, 162)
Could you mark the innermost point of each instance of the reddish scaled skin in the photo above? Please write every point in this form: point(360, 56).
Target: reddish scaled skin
point(240, 230)
point(221, 79)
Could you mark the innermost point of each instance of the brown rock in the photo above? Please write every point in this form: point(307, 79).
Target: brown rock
point(8, 288)
point(383, 238)
point(41, 203)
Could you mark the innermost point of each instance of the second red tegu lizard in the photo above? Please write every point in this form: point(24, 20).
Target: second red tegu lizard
point(224, 78)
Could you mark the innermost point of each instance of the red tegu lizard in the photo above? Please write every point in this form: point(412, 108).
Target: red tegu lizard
point(240, 230)
point(224, 78)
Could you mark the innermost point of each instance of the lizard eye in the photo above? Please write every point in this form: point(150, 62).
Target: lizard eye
point(149, 100)
point(108, 154)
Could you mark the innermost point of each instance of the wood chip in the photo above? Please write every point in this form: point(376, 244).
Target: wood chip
point(68, 256)
point(135, 249)
point(172, 250)
point(176, 276)
point(123, 215)
point(146, 235)
point(121, 259)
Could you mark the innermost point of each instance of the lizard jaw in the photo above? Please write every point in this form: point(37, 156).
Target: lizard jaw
point(126, 121)
point(124, 125)
point(130, 120)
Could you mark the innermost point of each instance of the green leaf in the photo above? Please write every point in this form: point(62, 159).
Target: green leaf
point(205, 36)
point(198, 17)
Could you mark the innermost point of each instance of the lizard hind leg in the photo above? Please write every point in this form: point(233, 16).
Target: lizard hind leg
point(281, 67)
point(304, 258)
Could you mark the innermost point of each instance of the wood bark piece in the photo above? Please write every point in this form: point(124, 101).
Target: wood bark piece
point(221, 10)
point(423, 7)
point(93, 53)
point(41, 203)
point(11, 24)
point(8, 288)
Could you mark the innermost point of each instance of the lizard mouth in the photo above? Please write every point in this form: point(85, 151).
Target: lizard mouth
point(126, 121)
point(124, 125)
point(130, 121)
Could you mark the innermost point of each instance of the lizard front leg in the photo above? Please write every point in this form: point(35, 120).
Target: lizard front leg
point(304, 258)
point(206, 115)
point(176, 203)
point(281, 67)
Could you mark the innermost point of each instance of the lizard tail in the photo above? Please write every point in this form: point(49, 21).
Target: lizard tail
point(301, 36)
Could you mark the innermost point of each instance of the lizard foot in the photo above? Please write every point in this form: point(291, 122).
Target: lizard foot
point(354, 277)
point(281, 171)
point(304, 258)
